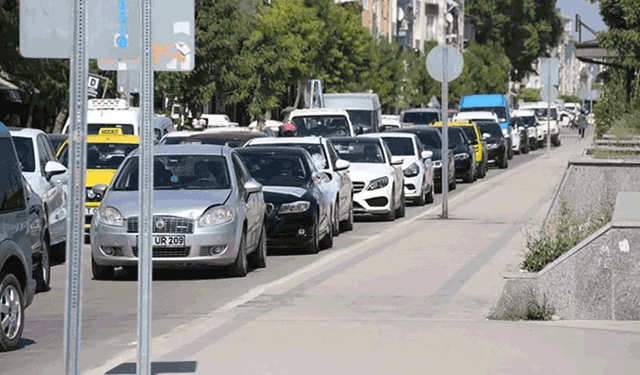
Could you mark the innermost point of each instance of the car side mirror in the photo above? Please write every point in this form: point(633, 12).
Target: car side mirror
point(427, 154)
point(252, 186)
point(486, 136)
point(53, 168)
point(342, 165)
point(100, 189)
point(396, 160)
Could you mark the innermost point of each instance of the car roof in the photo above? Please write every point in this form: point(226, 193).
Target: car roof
point(189, 149)
point(293, 140)
point(476, 114)
point(391, 134)
point(25, 132)
point(318, 111)
point(523, 112)
point(272, 149)
point(416, 129)
point(227, 135)
point(432, 110)
point(361, 138)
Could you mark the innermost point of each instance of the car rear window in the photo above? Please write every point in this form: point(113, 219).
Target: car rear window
point(400, 146)
point(420, 118)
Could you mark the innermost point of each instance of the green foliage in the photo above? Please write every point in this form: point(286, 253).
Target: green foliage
point(535, 311)
point(623, 35)
point(529, 95)
point(563, 233)
point(570, 98)
point(612, 104)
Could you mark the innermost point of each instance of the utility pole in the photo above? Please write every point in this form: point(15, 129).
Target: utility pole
point(461, 25)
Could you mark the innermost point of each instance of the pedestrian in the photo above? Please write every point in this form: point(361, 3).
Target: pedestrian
point(289, 130)
point(582, 124)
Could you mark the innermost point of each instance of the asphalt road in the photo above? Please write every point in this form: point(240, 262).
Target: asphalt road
point(110, 307)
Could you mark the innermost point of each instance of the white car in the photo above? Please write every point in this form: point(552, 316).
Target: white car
point(48, 179)
point(322, 122)
point(176, 137)
point(512, 136)
point(378, 181)
point(530, 121)
point(417, 165)
point(213, 121)
point(545, 121)
point(340, 186)
point(390, 122)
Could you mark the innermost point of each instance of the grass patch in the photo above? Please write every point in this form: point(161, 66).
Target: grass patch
point(599, 154)
point(535, 311)
point(562, 234)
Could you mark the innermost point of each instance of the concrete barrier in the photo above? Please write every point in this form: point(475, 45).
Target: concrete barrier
point(598, 279)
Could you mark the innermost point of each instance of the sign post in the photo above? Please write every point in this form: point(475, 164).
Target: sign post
point(444, 64)
point(549, 68)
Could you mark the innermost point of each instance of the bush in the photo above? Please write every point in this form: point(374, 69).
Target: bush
point(626, 125)
point(563, 234)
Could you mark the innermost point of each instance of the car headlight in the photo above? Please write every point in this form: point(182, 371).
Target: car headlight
point(111, 217)
point(505, 132)
point(554, 130)
point(378, 183)
point(437, 164)
point(531, 131)
point(294, 208)
point(412, 170)
point(492, 146)
point(462, 156)
point(90, 194)
point(216, 216)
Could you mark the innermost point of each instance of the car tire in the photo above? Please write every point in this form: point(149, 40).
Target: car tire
point(59, 252)
point(314, 246)
point(526, 148)
point(327, 240)
point(438, 188)
point(402, 210)
point(335, 222)
point(347, 225)
point(11, 299)
point(504, 163)
point(483, 170)
point(533, 145)
point(258, 259)
point(453, 184)
point(422, 199)
point(43, 272)
point(510, 153)
point(391, 216)
point(101, 272)
point(430, 195)
point(470, 176)
point(240, 266)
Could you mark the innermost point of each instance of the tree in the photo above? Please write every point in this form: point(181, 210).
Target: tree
point(529, 95)
point(570, 98)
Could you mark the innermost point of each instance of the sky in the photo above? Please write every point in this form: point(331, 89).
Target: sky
point(590, 14)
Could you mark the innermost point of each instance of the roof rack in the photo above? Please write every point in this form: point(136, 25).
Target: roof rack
point(107, 104)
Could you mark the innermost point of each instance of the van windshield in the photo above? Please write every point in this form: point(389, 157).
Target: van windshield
point(420, 118)
point(500, 111)
point(127, 129)
point(322, 125)
point(362, 117)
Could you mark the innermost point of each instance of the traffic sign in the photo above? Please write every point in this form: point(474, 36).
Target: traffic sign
point(435, 63)
point(129, 81)
point(96, 84)
point(112, 29)
point(173, 34)
point(549, 95)
point(549, 66)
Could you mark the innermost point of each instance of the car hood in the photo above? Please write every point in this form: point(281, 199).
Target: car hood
point(183, 203)
point(99, 176)
point(437, 154)
point(493, 140)
point(408, 160)
point(284, 194)
point(367, 171)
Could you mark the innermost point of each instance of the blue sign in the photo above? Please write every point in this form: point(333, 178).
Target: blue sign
point(122, 41)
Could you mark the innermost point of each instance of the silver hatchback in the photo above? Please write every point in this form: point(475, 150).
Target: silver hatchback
point(207, 210)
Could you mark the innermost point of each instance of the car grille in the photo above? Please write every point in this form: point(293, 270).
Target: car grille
point(166, 252)
point(171, 224)
point(358, 186)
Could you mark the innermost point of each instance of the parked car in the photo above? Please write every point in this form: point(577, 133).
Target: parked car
point(496, 143)
point(17, 285)
point(510, 134)
point(495, 103)
point(233, 138)
point(324, 122)
point(49, 180)
point(390, 122)
point(523, 132)
point(417, 165)
point(216, 120)
point(39, 239)
point(545, 120)
point(420, 116)
point(208, 210)
point(475, 140)
point(299, 213)
point(530, 122)
point(325, 156)
point(378, 180)
point(431, 140)
point(364, 109)
point(464, 154)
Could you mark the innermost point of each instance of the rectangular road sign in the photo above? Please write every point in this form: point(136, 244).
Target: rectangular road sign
point(549, 66)
point(173, 36)
point(129, 81)
point(113, 28)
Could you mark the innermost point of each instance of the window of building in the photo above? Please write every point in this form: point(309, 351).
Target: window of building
point(431, 12)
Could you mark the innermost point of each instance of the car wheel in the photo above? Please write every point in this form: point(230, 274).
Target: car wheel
point(526, 148)
point(240, 267)
point(438, 187)
point(335, 222)
point(430, 198)
point(347, 225)
point(59, 252)
point(510, 153)
point(101, 272)
point(504, 163)
point(391, 216)
point(422, 199)
point(327, 240)
point(483, 170)
point(453, 184)
point(470, 176)
point(403, 206)
point(314, 246)
point(43, 272)
point(533, 145)
point(11, 312)
point(258, 258)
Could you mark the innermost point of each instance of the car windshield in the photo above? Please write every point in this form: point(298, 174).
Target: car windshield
point(277, 169)
point(420, 118)
point(456, 136)
point(400, 146)
point(542, 112)
point(430, 139)
point(501, 112)
point(102, 155)
point(361, 117)
point(179, 172)
point(359, 151)
point(24, 148)
point(326, 126)
point(470, 132)
point(316, 151)
point(529, 121)
point(95, 128)
point(490, 127)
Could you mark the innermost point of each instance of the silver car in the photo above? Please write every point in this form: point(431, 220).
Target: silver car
point(208, 210)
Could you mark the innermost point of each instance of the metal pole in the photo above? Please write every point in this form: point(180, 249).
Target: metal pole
point(75, 207)
point(445, 136)
point(145, 193)
point(549, 110)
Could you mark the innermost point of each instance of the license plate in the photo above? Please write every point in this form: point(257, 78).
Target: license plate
point(168, 241)
point(90, 210)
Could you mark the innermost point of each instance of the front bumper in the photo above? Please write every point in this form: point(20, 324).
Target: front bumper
point(376, 202)
point(496, 153)
point(195, 250)
point(286, 230)
point(463, 167)
point(413, 186)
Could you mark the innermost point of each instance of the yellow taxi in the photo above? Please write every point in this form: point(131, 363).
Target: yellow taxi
point(473, 133)
point(105, 152)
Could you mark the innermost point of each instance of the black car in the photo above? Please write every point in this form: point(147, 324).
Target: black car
point(496, 142)
point(298, 209)
point(431, 139)
point(463, 153)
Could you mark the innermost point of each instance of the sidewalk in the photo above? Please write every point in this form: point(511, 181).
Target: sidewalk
point(411, 300)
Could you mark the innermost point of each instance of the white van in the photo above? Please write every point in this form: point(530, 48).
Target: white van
point(322, 122)
point(364, 109)
point(116, 113)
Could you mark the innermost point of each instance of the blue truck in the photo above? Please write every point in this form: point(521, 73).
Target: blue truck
point(496, 103)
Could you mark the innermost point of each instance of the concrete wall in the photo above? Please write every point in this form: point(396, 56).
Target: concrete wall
point(599, 279)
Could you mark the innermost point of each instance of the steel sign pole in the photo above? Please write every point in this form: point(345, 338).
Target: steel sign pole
point(549, 110)
point(445, 135)
point(145, 192)
point(79, 65)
